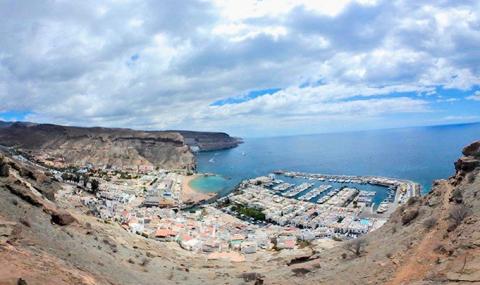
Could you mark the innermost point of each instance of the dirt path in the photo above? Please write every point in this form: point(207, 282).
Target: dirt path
point(423, 256)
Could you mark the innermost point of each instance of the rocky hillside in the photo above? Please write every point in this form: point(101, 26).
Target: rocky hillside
point(434, 239)
point(122, 148)
point(45, 242)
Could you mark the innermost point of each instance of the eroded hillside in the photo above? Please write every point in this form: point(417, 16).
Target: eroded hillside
point(430, 240)
point(126, 149)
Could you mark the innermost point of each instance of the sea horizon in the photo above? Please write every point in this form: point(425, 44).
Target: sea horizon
point(342, 153)
point(356, 131)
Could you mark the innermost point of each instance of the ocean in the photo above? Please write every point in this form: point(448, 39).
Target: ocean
point(420, 154)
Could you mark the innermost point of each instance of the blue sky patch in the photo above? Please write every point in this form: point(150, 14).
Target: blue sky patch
point(249, 96)
point(14, 115)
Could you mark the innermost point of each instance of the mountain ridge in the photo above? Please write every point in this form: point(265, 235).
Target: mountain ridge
point(119, 147)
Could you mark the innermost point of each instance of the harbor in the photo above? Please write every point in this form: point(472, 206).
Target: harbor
point(346, 211)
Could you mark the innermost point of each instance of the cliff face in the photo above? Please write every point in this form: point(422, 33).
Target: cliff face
point(209, 141)
point(466, 166)
point(122, 148)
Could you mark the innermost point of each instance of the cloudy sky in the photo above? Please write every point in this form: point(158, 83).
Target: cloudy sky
point(248, 67)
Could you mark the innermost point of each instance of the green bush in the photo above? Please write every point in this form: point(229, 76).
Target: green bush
point(249, 212)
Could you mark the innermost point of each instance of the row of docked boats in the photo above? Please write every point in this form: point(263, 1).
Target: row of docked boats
point(296, 190)
point(315, 192)
point(328, 196)
point(283, 186)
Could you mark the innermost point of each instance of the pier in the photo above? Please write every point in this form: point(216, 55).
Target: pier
point(405, 187)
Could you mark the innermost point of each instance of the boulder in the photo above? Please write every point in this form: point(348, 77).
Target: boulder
point(466, 164)
point(4, 169)
point(62, 218)
point(472, 149)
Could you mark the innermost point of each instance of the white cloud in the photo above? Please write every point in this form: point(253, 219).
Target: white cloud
point(160, 64)
point(475, 96)
point(461, 118)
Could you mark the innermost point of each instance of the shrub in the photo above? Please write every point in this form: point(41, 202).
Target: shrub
point(458, 214)
point(457, 196)
point(471, 177)
point(304, 244)
point(250, 212)
point(299, 272)
point(95, 186)
point(412, 201)
point(430, 223)
point(250, 276)
point(356, 246)
point(409, 216)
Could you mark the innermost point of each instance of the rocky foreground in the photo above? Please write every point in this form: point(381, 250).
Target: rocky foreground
point(430, 240)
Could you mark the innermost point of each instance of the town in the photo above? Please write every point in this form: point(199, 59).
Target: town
point(261, 214)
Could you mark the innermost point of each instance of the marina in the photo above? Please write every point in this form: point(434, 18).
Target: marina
point(282, 187)
point(325, 209)
point(392, 186)
point(298, 189)
point(315, 193)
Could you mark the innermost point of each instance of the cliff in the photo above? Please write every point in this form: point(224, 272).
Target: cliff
point(209, 141)
point(122, 148)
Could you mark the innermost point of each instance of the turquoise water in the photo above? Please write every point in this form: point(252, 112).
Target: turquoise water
point(207, 184)
point(364, 221)
point(420, 154)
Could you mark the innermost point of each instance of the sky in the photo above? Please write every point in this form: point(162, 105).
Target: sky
point(247, 67)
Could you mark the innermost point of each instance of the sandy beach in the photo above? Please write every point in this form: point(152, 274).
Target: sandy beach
point(190, 195)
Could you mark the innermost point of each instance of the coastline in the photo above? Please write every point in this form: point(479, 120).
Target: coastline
point(192, 196)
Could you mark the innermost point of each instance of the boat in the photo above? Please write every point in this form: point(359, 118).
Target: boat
point(298, 189)
point(315, 193)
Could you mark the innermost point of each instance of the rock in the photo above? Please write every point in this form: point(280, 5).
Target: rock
point(251, 276)
point(21, 282)
point(466, 164)
point(24, 194)
point(409, 216)
point(62, 218)
point(4, 170)
point(472, 149)
point(6, 230)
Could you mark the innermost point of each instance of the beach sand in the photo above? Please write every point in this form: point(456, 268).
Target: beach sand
point(190, 195)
